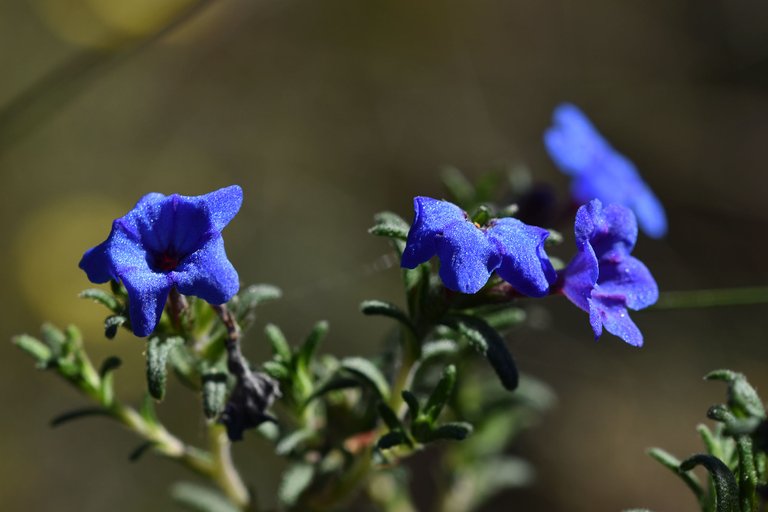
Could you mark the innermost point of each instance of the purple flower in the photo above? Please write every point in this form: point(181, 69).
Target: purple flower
point(167, 241)
point(599, 171)
point(603, 279)
point(469, 253)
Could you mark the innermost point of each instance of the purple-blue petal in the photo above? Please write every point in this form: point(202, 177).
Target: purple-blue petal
point(606, 228)
point(650, 213)
point(613, 315)
point(147, 294)
point(524, 262)
point(208, 274)
point(467, 257)
point(573, 142)
point(96, 264)
point(432, 216)
point(629, 277)
point(580, 276)
point(220, 205)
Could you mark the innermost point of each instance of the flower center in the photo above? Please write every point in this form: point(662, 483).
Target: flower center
point(166, 261)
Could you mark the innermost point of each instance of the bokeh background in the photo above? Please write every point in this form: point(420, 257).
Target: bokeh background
point(327, 112)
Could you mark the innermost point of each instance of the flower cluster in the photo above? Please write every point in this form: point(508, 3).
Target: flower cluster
point(602, 279)
point(165, 242)
point(599, 171)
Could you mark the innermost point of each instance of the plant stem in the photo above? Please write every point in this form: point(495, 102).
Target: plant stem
point(224, 472)
point(712, 298)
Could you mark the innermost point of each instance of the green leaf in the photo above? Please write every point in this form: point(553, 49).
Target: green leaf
point(78, 414)
point(456, 431)
point(459, 187)
point(296, 480)
point(438, 348)
point(672, 463)
point(308, 349)
point(214, 393)
point(486, 340)
point(102, 297)
point(294, 440)
point(257, 294)
point(380, 307)
point(726, 490)
point(389, 225)
point(147, 410)
point(413, 403)
point(112, 324)
point(277, 370)
point(389, 416)
point(391, 439)
point(107, 380)
point(200, 498)
point(742, 397)
point(157, 357)
point(279, 344)
point(39, 351)
point(367, 372)
point(505, 318)
point(441, 394)
point(747, 474)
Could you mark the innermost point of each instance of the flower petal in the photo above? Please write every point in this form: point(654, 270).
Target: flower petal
point(467, 258)
point(147, 295)
point(431, 218)
point(207, 273)
point(573, 142)
point(221, 205)
point(96, 264)
point(606, 229)
point(524, 263)
point(629, 277)
point(613, 314)
point(580, 276)
point(650, 213)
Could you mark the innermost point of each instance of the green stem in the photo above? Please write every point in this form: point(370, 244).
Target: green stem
point(712, 298)
point(224, 472)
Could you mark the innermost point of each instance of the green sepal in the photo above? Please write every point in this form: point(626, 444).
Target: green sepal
point(296, 480)
point(106, 299)
point(389, 225)
point(367, 372)
point(214, 393)
point(486, 340)
point(112, 323)
point(380, 307)
point(39, 351)
point(672, 463)
point(441, 394)
point(742, 397)
point(200, 498)
point(279, 344)
point(77, 414)
point(157, 357)
point(725, 487)
point(481, 215)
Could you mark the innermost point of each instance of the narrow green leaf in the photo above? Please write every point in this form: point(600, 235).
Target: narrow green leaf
point(112, 324)
point(296, 480)
point(279, 344)
point(257, 294)
point(389, 416)
point(102, 297)
point(147, 410)
point(334, 383)
point(459, 187)
point(390, 225)
point(486, 340)
point(726, 489)
point(214, 393)
point(39, 351)
point(441, 394)
point(710, 441)
point(140, 450)
point(157, 357)
point(308, 349)
point(390, 440)
point(742, 397)
point(414, 407)
point(294, 440)
point(505, 318)
point(747, 474)
point(110, 364)
point(382, 308)
point(456, 431)
point(201, 499)
point(369, 373)
point(438, 348)
point(672, 463)
point(54, 338)
point(106, 372)
point(277, 370)
point(77, 414)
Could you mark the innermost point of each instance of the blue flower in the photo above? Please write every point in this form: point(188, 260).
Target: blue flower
point(603, 279)
point(469, 253)
point(599, 171)
point(167, 241)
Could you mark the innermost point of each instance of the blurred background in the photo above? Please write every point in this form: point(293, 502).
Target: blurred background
point(327, 112)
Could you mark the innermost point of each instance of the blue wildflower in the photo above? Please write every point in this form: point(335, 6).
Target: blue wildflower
point(167, 241)
point(469, 253)
point(599, 171)
point(603, 279)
